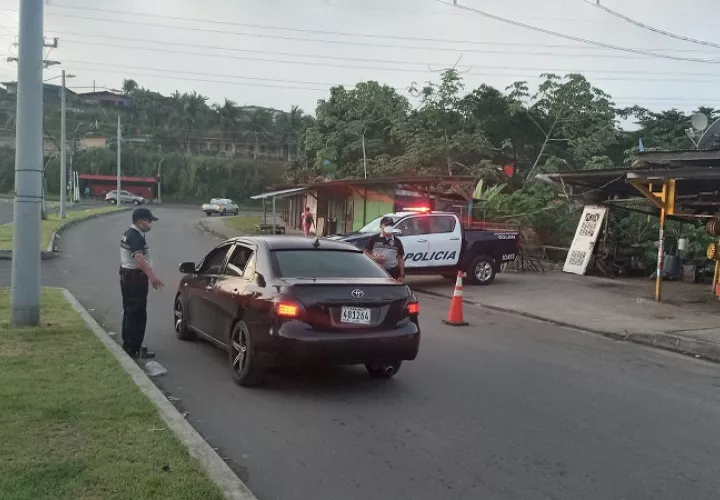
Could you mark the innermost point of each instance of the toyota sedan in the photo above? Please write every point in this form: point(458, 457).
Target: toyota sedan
point(291, 301)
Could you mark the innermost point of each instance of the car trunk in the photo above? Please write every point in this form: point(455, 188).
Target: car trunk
point(364, 304)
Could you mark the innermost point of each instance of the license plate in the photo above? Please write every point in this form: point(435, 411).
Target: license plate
point(356, 315)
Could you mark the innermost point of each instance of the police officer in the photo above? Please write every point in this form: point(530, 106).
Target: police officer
point(136, 275)
point(387, 250)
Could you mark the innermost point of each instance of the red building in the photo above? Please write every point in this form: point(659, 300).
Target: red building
point(100, 185)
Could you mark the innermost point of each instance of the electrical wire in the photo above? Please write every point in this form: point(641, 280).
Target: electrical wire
point(404, 47)
point(653, 29)
point(307, 30)
point(577, 38)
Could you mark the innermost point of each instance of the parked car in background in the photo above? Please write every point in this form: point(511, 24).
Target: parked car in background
point(285, 301)
point(125, 197)
point(221, 206)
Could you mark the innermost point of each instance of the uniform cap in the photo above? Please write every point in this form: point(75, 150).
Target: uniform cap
point(143, 213)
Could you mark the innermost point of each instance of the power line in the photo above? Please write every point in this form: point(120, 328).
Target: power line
point(579, 39)
point(307, 30)
point(405, 47)
point(103, 66)
point(653, 29)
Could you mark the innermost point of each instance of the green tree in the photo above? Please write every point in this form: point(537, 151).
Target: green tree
point(576, 120)
point(257, 126)
point(439, 134)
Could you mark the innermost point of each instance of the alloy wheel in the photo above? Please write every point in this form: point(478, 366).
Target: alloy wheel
point(483, 271)
point(239, 351)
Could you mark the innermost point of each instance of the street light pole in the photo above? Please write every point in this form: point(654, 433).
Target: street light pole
point(25, 274)
point(119, 141)
point(63, 150)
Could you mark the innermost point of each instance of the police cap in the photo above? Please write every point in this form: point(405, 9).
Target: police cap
point(143, 213)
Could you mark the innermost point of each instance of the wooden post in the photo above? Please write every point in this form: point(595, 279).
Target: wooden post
point(661, 246)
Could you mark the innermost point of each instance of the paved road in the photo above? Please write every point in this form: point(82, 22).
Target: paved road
point(505, 409)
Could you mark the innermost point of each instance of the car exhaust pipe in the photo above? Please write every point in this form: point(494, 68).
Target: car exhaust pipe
point(389, 370)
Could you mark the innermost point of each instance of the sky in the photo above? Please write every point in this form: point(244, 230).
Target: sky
point(279, 53)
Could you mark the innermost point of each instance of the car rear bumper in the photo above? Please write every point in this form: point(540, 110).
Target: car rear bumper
point(295, 343)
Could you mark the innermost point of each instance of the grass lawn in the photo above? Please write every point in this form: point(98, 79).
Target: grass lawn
point(50, 225)
point(75, 426)
point(243, 223)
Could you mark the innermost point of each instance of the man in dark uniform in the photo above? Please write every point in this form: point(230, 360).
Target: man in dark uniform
point(136, 275)
point(387, 250)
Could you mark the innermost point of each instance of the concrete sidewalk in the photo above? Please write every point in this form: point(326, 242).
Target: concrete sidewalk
point(620, 309)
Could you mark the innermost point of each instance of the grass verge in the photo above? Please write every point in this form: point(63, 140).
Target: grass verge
point(49, 226)
point(75, 426)
point(243, 223)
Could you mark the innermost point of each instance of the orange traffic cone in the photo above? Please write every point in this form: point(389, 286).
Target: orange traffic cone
point(455, 315)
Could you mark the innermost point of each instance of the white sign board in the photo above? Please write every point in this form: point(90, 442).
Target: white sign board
point(586, 235)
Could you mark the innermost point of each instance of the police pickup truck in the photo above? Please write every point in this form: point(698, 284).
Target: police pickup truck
point(436, 243)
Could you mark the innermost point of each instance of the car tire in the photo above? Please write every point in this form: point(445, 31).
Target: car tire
point(481, 270)
point(182, 330)
point(245, 370)
point(237, 212)
point(224, 212)
point(209, 214)
point(136, 202)
point(383, 371)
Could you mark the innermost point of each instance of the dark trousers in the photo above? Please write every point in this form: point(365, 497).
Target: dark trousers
point(394, 272)
point(134, 286)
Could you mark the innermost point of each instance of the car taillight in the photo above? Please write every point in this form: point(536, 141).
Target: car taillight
point(288, 309)
point(413, 308)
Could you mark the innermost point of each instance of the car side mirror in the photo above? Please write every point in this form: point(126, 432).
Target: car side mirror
point(397, 232)
point(260, 280)
point(187, 267)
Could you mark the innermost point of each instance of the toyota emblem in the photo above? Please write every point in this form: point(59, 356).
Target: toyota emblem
point(357, 294)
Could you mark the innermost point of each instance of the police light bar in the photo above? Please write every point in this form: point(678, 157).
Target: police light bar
point(417, 209)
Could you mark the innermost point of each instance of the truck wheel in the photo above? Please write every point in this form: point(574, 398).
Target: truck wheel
point(481, 270)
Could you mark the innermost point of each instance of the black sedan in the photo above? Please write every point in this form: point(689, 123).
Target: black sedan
point(291, 301)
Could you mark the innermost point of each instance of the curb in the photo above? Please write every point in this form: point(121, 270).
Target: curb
point(215, 467)
point(51, 251)
point(664, 341)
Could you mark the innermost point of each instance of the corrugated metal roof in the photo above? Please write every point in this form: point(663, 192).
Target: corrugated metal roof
point(279, 194)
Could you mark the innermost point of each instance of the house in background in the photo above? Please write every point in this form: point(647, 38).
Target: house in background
point(51, 93)
point(106, 98)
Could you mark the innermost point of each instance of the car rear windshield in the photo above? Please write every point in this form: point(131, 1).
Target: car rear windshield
point(325, 264)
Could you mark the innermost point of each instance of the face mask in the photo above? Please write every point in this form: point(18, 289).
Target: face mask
point(387, 229)
point(146, 229)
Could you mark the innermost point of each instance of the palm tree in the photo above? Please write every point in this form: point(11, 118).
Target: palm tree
point(129, 86)
point(190, 111)
point(257, 126)
point(289, 125)
point(228, 114)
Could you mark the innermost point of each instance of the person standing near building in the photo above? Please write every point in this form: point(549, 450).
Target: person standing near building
point(308, 221)
point(387, 250)
point(136, 276)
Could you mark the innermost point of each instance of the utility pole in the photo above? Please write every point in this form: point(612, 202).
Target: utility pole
point(25, 274)
point(159, 180)
point(119, 142)
point(63, 150)
point(364, 154)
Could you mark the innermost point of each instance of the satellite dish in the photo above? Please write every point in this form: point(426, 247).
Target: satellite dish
point(710, 136)
point(699, 121)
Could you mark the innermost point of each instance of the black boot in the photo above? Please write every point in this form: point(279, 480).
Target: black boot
point(145, 354)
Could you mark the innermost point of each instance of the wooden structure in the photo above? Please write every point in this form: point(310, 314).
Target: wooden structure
point(346, 205)
point(678, 184)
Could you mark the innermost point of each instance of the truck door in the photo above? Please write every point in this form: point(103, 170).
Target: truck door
point(444, 241)
point(415, 240)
